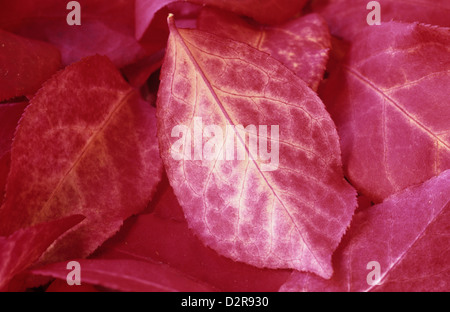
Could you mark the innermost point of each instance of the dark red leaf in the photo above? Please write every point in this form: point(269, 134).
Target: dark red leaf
point(22, 248)
point(408, 235)
point(24, 65)
point(127, 275)
point(138, 73)
point(390, 103)
point(107, 28)
point(301, 45)
point(9, 117)
point(87, 145)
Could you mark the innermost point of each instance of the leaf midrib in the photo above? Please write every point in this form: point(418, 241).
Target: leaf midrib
point(92, 138)
point(366, 81)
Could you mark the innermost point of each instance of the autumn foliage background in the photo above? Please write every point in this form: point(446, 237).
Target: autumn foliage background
point(86, 171)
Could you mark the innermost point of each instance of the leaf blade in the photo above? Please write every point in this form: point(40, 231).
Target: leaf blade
point(93, 147)
point(235, 235)
point(390, 108)
point(301, 44)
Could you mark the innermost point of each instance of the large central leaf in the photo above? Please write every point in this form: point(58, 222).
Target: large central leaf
point(291, 215)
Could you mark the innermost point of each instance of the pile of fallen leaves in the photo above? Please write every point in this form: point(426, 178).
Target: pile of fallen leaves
point(358, 199)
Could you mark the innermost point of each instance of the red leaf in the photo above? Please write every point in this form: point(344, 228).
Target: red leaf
point(391, 107)
point(9, 117)
point(164, 237)
point(86, 144)
point(24, 247)
point(266, 12)
point(236, 207)
point(22, 72)
point(408, 235)
point(127, 275)
point(107, 28)
point(301, 45)
point(349, 20)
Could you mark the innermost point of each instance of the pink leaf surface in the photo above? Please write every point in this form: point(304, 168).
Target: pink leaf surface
point(347, 19)
point(391, 107)
point(408, 235)
point(107, 28)
point(164, 236)
point(127, 275)
point(301, 44)
point(88, 148)
point(291, 217)
point(266, 12)
point(22, 248)
point(24, 65)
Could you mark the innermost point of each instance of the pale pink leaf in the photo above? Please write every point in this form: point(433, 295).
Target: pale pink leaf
point(290, 217)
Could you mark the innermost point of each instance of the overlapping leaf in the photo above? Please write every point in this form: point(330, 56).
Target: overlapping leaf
point(9, 117)
point(407, 235)
point(266, 12)
point(107, 28)
point(128, 275)
point(273, 219)
point(24, 65)
point(390, 103)
point(347, 19)
point(301, 44)
point(22, 248)
point(85, 145)
point(164, 237)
